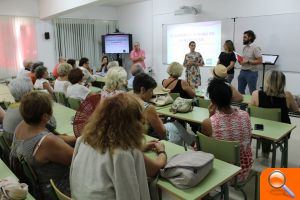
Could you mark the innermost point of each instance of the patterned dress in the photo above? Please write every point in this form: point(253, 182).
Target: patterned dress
point(235, 127)
point(192, 73)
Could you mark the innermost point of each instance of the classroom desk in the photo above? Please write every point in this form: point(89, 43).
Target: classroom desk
point(221, 173)
point(275, 132)
point(64, 117)
point(95, 89)
point(5, 172)
point(100, 81)
point(5, 95)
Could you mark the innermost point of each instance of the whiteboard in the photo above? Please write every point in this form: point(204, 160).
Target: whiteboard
point(226, 34)
point(275, 34)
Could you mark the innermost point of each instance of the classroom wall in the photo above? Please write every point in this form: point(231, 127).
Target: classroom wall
point(163, 13)
point(137, 19)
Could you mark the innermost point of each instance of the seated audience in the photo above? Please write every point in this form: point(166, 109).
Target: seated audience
point(62, 83)
point(61, 60)
point(41, 83)
point(220, 72)
point(274, 96)
point(18, 87)
point(49, 155)
point(26, 71)
point(32, 71)
point(77, 90)
point(177, 85)
point(135, 69)
point(72, 62)
point(143, 86)
point(84, 65)
point(104, 62)
point(116, 81)
point(228, 123)
point(108, 155)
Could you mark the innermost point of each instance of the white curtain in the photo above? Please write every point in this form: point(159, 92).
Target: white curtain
point(17, 42)
point(77, 38)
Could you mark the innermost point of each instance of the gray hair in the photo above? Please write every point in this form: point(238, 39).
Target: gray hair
point(112, 64)
point(175, 69)
point(19, 87)
point(64, 69)
point(136, 69)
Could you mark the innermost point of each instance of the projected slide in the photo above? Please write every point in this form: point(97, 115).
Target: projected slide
point(207, 36)
point(116, 44)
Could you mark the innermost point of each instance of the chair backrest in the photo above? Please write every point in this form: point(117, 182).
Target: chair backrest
point(5, 148)
point(60, 98)
point(59, 194)
point(174, 95)
point(273, 114)
point(74, 103)
point(228, 151)
point(203, 103)
point(31, 176)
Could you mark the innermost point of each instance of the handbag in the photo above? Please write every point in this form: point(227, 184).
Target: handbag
point(162, 100)
point(188, 169)
point(182, 105)
point(11, 189)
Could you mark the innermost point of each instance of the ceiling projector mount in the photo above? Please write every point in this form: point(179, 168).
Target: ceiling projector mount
point(188, 10)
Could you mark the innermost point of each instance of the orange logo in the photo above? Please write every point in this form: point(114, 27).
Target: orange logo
point(280, 183)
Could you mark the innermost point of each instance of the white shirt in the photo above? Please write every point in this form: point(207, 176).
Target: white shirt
point(88, 77)
point(77, 91)
point(39, 83)
point(95, 175)
point(23, 73)
point(61, 86)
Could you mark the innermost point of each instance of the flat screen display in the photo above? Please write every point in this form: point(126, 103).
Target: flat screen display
point(117, 43)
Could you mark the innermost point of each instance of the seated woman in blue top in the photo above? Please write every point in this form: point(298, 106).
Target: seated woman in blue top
point(274, 96)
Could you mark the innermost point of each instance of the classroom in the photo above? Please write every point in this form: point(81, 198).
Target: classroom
point(149, 99)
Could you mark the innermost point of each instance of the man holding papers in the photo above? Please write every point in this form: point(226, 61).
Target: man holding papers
point(250, 61)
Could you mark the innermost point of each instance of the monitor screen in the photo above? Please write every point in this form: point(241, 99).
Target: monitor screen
point(117, 43)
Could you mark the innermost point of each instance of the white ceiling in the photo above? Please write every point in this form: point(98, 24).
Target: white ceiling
point(119, 2)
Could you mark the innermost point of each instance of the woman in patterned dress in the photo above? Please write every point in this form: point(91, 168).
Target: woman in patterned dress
point(192, 62)
point(228, 123)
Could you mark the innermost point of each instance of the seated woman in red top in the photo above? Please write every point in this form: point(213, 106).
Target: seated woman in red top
point(228, 123)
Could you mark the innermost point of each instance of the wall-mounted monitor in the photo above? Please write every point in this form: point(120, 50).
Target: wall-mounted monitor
point(116, 43)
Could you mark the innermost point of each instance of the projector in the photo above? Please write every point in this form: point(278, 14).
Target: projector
point(188, 10)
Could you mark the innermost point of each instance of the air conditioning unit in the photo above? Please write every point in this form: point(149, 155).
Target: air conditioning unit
point(188, 10)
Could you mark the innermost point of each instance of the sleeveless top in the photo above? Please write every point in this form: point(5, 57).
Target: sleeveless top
point(235, 127)
point(266, 101)
point(149, 128)
point(44, 171)
point(178, 89)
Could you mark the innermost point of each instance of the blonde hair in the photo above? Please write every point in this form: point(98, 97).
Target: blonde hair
point(116, 78)
point(117, 122)
point(112, 64)
point(64, 69)
point(274, 83)
point(175, 69)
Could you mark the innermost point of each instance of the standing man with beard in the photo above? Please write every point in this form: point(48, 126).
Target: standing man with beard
point(252, 59)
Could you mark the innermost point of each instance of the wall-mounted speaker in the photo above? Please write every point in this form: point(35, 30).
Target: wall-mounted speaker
point(47, 35)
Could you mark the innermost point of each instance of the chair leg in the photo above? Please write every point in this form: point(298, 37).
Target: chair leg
point(256, 186)
point(258, 143)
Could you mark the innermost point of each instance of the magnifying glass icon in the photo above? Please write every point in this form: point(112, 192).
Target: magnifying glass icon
point(277, 180)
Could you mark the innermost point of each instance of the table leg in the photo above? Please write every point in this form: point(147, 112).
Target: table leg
point(274, 148)
point(225, 190)
point(284, 153)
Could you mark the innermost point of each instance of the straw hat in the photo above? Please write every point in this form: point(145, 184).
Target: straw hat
point(160, 90)
point(220, 71)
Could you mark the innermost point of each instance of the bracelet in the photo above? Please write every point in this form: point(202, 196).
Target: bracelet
point(162, 152)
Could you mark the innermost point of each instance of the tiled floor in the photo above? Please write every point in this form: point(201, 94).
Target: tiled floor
point(294, 161)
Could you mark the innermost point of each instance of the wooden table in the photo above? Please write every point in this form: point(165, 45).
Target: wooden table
point(6, 172)
point(275, 132)
point(221, 173)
